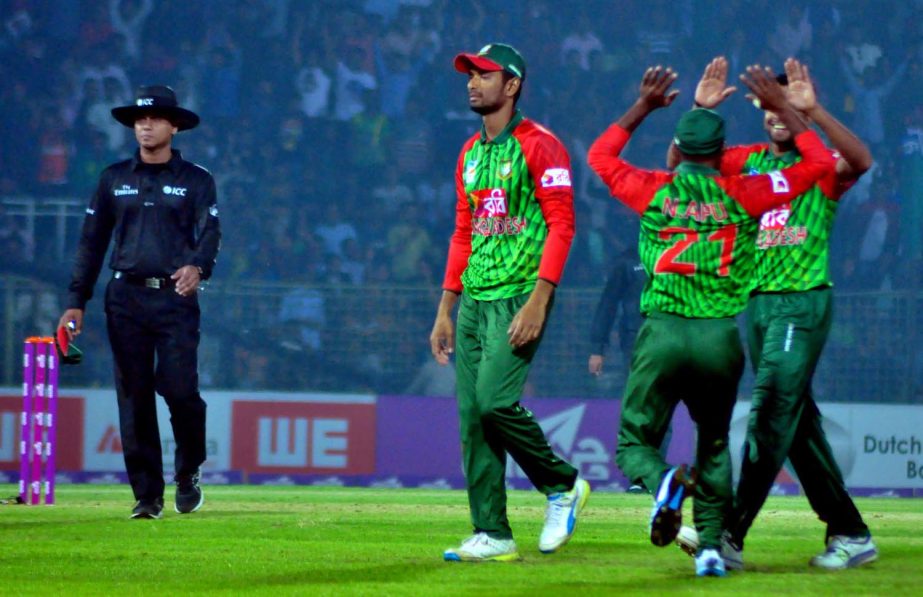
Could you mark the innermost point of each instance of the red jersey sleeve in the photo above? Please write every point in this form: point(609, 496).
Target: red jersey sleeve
point(632, 186)
point(734, 158)
point(460, 243)
point(760, 193)
point(832, 185)
point(549, 167)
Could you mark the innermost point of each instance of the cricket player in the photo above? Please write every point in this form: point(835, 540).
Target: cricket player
point(513, 229)
point(788, 320)
point(697, 244)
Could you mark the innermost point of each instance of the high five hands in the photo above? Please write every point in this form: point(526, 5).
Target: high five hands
point(655, 87)
point(713, 89)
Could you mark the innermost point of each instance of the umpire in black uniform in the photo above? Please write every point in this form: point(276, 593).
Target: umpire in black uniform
point(162, 213)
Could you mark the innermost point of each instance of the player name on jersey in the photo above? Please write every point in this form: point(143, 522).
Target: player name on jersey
point(694, 210)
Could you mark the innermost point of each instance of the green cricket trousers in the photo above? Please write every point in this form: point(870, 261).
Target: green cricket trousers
point(698, 361)
point(490, 377)
point(786, 334)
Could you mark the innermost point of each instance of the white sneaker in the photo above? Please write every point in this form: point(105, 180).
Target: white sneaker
point(709, 563)
point(688, 541)
point(482, 548)
point(561, 516)
point(846, 552)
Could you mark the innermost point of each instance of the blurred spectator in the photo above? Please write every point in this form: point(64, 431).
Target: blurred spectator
point(352, 263)
point(369, 139)
point(581, 42)
point(869, 96)
point(657, 35)
point(303, 315)
point(861, 53)
point(127, 18)
point(910, 175)
point(408, 245)
point(96, 27)
point(54, 155)
point(351, 82)
point(90, 159)
point(97, 116)
point(392, 197)
point(878, 243)
point(221, 85)
point(333, 229)
point(313, 84)
point(398, 66)
point(792, 35)
point(16, 245)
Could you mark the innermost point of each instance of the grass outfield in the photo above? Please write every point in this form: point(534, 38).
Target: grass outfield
point(301, 540)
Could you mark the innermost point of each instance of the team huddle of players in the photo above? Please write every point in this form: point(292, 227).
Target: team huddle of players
point(723, 231)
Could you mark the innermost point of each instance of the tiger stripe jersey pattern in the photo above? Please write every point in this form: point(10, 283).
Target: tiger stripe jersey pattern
point(699, 229)
point(514, 218)
point(793, 240)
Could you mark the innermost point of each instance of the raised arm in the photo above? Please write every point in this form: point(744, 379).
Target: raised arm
point(712, 88)
point(632, 186)
point(855, 157)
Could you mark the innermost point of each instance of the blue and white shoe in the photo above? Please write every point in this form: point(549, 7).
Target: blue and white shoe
point(846, 552)
point(709, 563)
point(667, 514)
point(733, 556)
point(561, 516)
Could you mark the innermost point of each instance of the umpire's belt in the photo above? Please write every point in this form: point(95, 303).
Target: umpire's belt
point(156, 283)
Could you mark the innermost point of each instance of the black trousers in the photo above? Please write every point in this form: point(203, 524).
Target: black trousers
point(154, 335)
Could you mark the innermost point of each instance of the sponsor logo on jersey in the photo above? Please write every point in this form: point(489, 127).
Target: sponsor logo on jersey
point(781, 237)
point(125, 190)
point(489, 203)
point(175, 191)
point(776, 218)
point(91, 211)
point(779, 182)
point(471, 171)
point(505, 170)
point(213, 211)
point(498, 226)
point(556, 177)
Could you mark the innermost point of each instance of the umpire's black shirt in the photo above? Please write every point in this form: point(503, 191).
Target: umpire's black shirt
point(163, 216)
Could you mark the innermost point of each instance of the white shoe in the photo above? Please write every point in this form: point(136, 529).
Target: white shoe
point(688, 541)
point(482, 548)
point(561, 516)
point(846, 552)
point(709, 563)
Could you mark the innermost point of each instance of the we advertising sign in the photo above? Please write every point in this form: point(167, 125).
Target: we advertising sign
point(336, 436)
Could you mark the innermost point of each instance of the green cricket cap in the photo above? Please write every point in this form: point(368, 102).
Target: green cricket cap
point(699, 132)
point(493, 57)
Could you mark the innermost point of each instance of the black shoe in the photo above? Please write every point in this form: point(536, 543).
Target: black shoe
point(148, 508)
point(189, 496)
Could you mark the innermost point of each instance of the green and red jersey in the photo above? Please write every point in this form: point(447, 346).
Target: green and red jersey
point(514, 216)
point(698, 229)
point(793, 241)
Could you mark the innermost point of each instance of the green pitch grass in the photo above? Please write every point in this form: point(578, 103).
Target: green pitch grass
point(339, 541)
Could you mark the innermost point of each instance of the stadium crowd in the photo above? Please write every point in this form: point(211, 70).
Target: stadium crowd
point(332, 126)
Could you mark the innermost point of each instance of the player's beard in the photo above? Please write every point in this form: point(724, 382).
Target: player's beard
point(486, 109)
